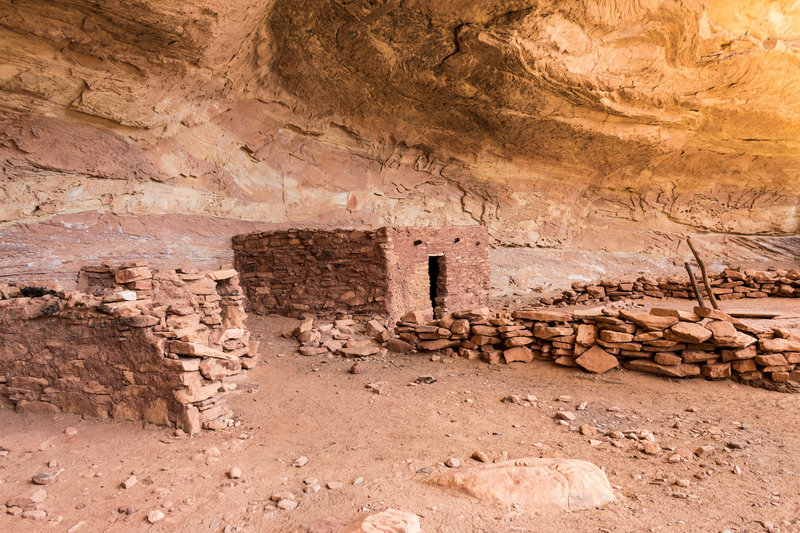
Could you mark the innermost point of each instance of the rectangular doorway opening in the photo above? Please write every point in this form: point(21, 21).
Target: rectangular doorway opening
point(437, 280)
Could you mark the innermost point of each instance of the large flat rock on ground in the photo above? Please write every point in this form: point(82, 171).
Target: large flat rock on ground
point(534, 484)
point(388, 521)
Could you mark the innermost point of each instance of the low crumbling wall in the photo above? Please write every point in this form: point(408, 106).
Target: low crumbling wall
point(666, 342)
point(321, 271)
point(161, 346)
point(726, 285)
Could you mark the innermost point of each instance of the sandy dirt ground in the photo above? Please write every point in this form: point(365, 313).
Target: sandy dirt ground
point(375, 444)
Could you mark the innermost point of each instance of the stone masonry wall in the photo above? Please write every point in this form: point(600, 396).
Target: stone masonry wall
point(727, 285)
point(320, 271)
point(161, 346)
point(665, 342)
point(465, 269)
point(382, 272)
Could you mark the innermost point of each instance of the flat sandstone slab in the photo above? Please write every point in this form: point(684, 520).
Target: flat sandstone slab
point(534, 484)
point(597, 360)
point(674, 371)
point(388, 521)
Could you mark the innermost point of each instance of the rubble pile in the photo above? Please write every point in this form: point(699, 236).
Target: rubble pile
point(344, 337)
point(726, 285)
point(666, 342)
point(161, 346)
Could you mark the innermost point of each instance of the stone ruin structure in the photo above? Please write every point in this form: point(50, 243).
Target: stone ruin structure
point(131, 344)
point(730, 284)
point(666, 342)
point(167, 346)
point(439, 272)
point(383, 272)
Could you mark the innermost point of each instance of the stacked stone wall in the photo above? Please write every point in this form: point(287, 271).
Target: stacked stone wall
point(727, 285)
point(381, 272)
point(665, 342)
point(162, 346)
point(324, 272)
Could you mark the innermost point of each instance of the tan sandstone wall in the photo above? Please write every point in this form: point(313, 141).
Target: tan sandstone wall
point(465, 268)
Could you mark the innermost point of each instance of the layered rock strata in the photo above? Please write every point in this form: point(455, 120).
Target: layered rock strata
point(580, 126)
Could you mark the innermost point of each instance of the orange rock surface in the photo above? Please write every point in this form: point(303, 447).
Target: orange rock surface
point(586, 125)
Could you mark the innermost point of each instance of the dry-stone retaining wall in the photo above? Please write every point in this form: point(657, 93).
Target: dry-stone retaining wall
point(726, 285)
point(666, 342)
point(161, 346)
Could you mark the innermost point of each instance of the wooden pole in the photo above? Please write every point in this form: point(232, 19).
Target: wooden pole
point(704, 274)
point(696, 289)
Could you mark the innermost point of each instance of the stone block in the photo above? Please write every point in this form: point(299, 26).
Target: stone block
point(399, 346)
point(735, 355)
point(543, 331)
point(773, 359)
point(716, 370)
point(673, 371)
point(518, 354)
point(128, 275)
point(597, 360)
point(541, 315)
point(216, 369)
point(586, 335)
point(688, 332)
point(190, 420)
point(649, 321)
point(615, 336)
point(723, 333)
point(197, 392)
point(668, 358)
point(779, 345)
point(220, 275)
point(196, 349)
point(746, 365)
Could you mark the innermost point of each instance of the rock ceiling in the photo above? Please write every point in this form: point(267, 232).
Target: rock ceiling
point(571, 124)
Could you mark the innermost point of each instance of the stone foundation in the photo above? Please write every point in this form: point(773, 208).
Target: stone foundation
point(665, 342)
point(134, 344)
point(726, 285)
point(380, 272)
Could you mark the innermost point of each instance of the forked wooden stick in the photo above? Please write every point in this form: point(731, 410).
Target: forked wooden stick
point(704, 274)
point(696, 289)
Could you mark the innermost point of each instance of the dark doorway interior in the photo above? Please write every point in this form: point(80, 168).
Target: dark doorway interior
point(437, 285)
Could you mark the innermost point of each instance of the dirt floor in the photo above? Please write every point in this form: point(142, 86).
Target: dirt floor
point(374, 444)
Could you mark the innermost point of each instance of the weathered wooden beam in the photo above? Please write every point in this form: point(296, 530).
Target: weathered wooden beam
point(704, 274)
point(696, 289)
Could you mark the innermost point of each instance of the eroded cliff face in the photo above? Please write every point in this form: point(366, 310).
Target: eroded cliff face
point(583, 125)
